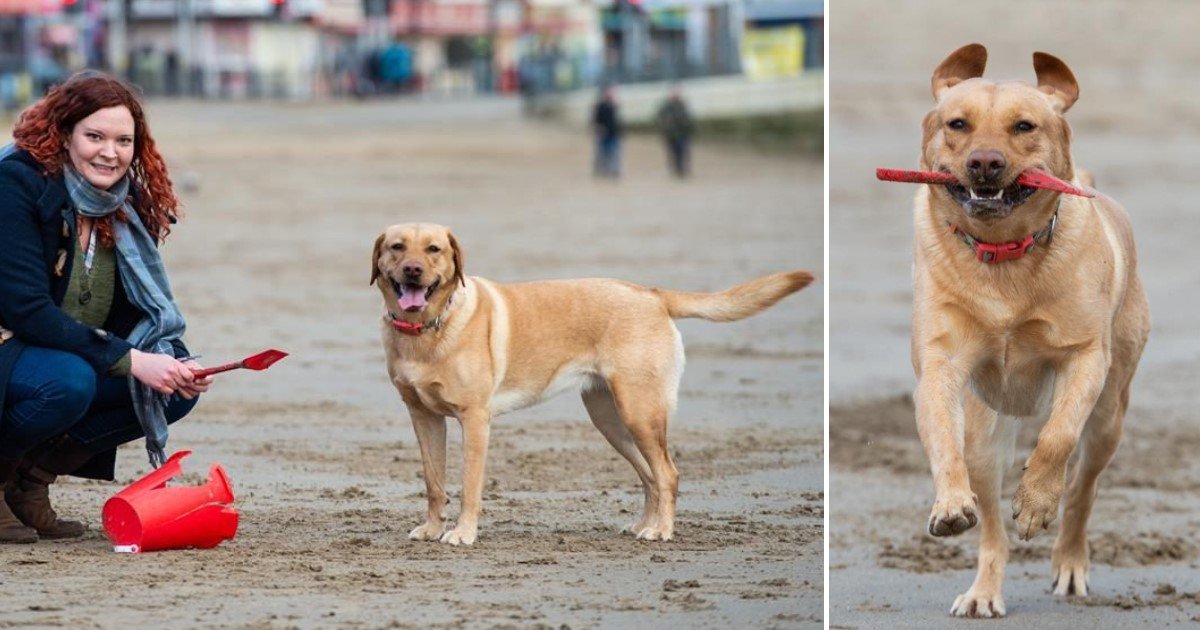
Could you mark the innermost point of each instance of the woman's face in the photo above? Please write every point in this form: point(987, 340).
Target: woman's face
point(101, 146)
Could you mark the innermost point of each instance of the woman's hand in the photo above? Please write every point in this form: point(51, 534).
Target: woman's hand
point(198, 385)
point(162, 373)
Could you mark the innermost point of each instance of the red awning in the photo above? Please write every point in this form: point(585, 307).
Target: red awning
point(20, 7)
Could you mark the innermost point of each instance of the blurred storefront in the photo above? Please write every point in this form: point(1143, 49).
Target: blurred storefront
point(654, 40)
point(440, 42)
point(736, 57)
point(299, 49)
point(561, 46)
point(40, 40)
point(783, 38)
point(224, 48)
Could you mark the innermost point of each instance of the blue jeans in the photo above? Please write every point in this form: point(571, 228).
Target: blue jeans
point(678, 151)
point(608, 156)
point(51, 392)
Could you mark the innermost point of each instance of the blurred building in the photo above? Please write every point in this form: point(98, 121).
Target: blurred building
point(652, 40)
point(40, 41)
point(223, 48)
point(447, 43)
point(736, 59)
point(300, 49)
point(303, 48)
point(783, 37)
point(655, 40)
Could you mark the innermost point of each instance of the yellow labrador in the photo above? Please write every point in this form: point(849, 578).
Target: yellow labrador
point(470, 348)
point(1051, 330)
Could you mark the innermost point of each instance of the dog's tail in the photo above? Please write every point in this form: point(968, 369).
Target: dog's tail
point(737, 303)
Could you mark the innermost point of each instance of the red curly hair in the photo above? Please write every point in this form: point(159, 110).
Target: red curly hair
point(45, 128)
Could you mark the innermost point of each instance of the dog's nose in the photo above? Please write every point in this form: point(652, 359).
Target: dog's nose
point(985, 165)
point(412, 270)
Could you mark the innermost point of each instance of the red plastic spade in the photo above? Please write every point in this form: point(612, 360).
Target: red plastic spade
point(260, 361)
point(1033, 178)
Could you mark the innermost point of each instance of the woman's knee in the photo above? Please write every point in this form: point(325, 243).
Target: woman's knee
point(48, 392)
point(77, 387)
point(70, 391)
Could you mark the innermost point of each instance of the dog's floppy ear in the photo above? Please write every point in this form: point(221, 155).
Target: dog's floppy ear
point(965, 63)
point(375, 257)
point(1056, 79)
point(930, 125)
point(458, 260)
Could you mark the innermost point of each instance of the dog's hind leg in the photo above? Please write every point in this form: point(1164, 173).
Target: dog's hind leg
point(603, 410)
point(989, 444)
point(431, 437)
point(1098, 444)
point(644, 408)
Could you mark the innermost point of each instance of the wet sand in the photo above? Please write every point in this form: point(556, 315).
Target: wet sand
point(275, 253)
point(1135, 127)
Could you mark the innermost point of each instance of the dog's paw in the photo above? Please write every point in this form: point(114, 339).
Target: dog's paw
point(953, 514)
point(427, 531)
point(640, 525)
point(1034, 507)
point(656, 532)
point(460, 536)
point(1070, 570)
point(978, 604)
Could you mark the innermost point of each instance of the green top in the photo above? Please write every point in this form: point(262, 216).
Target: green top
point(674, 120)
point(89, 297)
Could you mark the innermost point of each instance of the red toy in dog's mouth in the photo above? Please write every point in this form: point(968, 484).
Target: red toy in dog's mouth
point(1031, 178)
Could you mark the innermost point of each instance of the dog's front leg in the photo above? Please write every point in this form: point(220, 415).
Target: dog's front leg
point(431, 437)
point(940, 421)
point(1076, 389)
point(476, 425)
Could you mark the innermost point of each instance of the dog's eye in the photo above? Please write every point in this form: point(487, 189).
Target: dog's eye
point(957, 124)
point(398, 247)
point(433, 249)
point(1024, 126)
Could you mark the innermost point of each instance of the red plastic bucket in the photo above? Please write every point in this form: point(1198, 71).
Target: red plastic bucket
point(148, 516)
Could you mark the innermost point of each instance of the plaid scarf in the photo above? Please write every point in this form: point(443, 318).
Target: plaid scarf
point(144, 278)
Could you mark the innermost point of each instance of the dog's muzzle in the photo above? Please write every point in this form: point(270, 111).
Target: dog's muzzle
point(413, 297)
point(985, 200)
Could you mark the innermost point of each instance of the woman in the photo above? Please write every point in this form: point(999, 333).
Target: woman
point(91, 354)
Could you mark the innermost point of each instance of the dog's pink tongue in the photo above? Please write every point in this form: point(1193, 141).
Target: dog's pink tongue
point(412, 298)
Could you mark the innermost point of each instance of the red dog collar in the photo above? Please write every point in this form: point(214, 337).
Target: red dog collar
point(992, 253)
point(413, 329)
point(996, 253)
point(416, 328)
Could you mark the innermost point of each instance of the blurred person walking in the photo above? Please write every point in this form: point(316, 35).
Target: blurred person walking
point(91, 350)
point(676, 125)
point(606, 127)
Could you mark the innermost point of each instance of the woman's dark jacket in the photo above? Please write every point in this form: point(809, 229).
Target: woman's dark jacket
point(37, 226)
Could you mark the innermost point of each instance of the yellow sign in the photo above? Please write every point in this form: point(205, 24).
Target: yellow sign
point(771, 53)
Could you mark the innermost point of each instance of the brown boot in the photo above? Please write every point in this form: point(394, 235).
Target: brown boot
point(11, 528)
point(29, 500)
point(28, 494)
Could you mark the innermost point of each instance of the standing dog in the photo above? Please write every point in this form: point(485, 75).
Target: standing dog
point(1049, 325)
point(473, 349)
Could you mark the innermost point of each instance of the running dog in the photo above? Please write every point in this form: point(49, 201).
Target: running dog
point(472, 349)
point(1026, 307)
